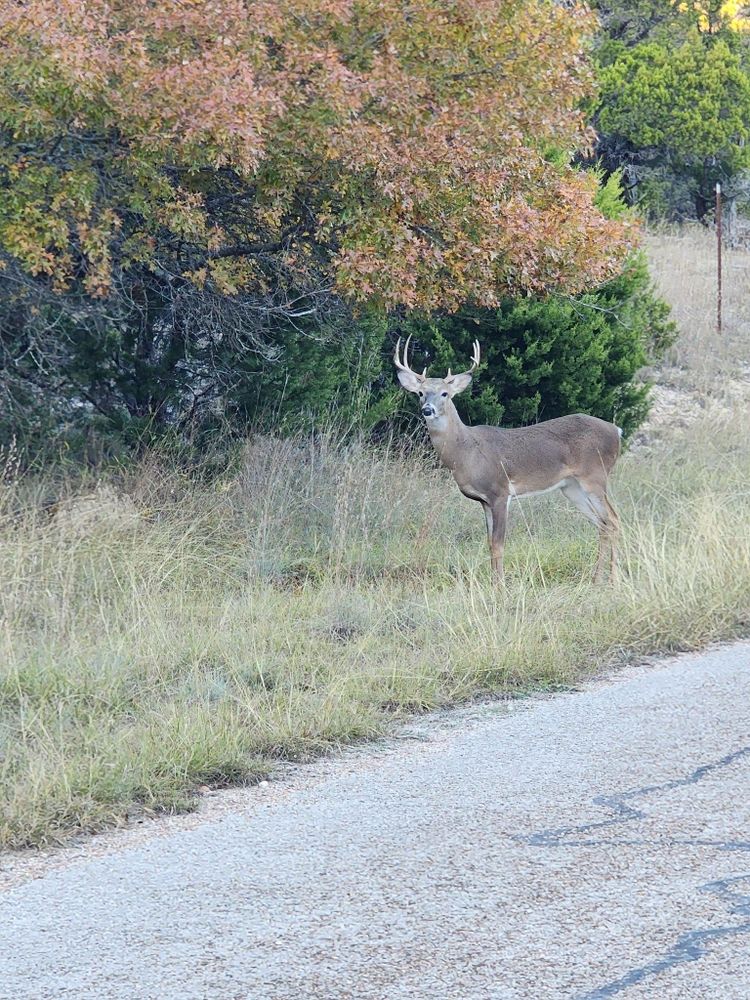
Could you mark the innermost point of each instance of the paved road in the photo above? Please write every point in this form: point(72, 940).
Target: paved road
point(586, 846)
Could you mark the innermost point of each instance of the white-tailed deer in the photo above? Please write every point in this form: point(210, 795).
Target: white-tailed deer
point(573, 454)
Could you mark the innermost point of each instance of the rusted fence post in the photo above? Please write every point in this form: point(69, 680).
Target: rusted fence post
point(718, 257)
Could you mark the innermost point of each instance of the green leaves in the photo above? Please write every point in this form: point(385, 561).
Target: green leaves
point(693, 101)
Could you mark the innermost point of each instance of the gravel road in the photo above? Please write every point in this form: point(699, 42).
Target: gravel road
point(583, 846)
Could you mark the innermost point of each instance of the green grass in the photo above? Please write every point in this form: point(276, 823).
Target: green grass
point(195, 633)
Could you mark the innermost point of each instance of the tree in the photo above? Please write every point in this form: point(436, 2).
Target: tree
point(625, 24)
point(674, 105)
point(689, 107)
point(181, 183)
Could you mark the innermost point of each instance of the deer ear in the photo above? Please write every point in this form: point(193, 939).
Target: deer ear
point(458, 383)
point(409, 381)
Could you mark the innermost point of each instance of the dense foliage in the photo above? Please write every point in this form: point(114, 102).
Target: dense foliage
point(186, 187)
point(400, 149)
point(543, 356)
point(221, 212)
point(674, 103)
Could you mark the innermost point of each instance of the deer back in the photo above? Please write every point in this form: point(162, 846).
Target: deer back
point(491, 461)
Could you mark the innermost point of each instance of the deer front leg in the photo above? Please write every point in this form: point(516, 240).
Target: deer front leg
point(604, 545)
point(488, 521)
point(496, 514)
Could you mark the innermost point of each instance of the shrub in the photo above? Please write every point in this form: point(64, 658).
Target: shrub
point(543, 358)
point(317, 371)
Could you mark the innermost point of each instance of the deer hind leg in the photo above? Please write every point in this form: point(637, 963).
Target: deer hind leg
point(591, 499)
point(613, 531)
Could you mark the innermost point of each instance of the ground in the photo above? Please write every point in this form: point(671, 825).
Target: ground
point(584, 846)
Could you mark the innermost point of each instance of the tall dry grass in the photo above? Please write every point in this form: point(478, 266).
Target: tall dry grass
point(158, 633)
point(683, 264)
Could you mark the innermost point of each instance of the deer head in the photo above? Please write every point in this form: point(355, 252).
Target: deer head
point(434, 393)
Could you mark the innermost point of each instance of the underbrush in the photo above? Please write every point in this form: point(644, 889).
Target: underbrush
point(159, 632)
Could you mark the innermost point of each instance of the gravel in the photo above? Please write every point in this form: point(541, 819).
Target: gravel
point(589, 845)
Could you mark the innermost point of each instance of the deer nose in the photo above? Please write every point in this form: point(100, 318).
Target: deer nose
point(428, 411)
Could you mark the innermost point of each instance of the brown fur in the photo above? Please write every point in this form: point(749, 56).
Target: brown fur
point(492, 464)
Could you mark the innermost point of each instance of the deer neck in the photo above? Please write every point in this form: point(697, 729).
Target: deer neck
point(448, 434)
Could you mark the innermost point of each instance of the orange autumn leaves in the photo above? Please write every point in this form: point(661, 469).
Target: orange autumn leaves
point(419, 153)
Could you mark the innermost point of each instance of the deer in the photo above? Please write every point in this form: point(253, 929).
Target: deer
point(495, 465)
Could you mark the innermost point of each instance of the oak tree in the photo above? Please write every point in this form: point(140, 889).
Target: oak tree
point(177, 180)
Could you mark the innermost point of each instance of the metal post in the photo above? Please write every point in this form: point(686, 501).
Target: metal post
point(718, 257)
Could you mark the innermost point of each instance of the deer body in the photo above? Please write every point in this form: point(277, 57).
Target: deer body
point(493, 465)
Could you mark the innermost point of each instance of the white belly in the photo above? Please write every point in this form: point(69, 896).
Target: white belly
point(534, 493)
point(516, 495)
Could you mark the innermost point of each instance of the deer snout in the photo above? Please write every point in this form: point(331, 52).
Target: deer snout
point(428, 410)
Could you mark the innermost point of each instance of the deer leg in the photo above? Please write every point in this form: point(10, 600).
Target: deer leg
point(591, 500)
point(499, 516)
point(488, 521)
point(608, 531)
point(601, 556)
point(614, 531)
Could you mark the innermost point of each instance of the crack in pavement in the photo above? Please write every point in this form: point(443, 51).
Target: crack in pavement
point(694, 944)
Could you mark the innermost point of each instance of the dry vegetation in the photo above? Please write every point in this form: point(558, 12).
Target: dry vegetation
point(704, 374)
point(159, 634)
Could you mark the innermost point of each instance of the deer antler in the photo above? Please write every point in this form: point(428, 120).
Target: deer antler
point(474, 364)
point(405, 366)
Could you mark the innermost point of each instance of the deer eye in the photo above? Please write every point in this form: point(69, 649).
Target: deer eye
point(443, 393)
point(421, 393)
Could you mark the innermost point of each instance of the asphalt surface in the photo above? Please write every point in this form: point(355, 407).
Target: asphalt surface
point(589, 845)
